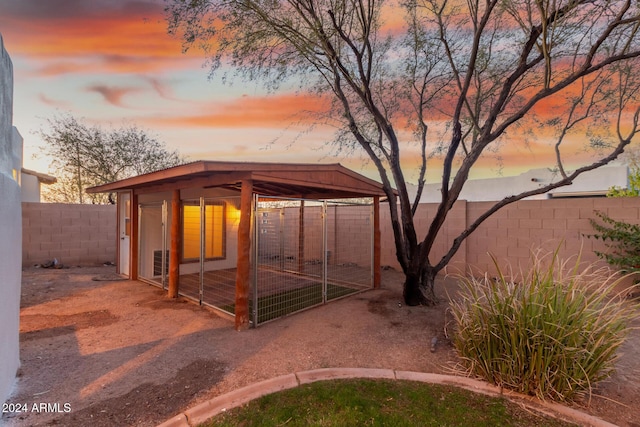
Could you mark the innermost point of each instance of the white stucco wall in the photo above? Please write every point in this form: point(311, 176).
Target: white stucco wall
point(30, 186)
point(595, 182)
point(150, 228)
point(10, 230)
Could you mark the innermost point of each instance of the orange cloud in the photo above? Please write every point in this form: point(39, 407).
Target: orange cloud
point(121, 36)
point(272, 111)
point(57, 68)
point(110, 63)
point(128, 36)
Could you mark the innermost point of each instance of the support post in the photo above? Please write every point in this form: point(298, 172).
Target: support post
point(165, 243)
point(325, 258)
point(301, 238)
point(376, 243)
point(203, 246)
point(135, 236)
point(174, 251)
point(243, 272)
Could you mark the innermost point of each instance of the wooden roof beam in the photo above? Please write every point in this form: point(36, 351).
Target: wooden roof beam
point(217, 180)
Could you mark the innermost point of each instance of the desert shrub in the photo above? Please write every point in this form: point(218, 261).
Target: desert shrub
point(553, 334)
point(622, 240)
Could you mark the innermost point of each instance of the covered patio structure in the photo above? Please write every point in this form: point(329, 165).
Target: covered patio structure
point(199, 218)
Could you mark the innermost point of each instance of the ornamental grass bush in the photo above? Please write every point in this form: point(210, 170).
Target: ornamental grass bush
point(552, 333)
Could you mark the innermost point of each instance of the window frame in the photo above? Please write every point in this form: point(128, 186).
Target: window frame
point(196, 203)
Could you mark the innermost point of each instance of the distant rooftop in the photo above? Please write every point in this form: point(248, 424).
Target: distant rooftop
point(595, 183)
point(43, 178)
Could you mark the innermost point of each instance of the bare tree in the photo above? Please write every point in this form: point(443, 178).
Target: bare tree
point(85, 156)
point(456, 80)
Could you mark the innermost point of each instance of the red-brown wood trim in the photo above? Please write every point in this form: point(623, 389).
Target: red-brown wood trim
point(133, 238)
point(118, 235)
point(196, 182)
point(174, 251)
point(243, 272)
point(325, 180)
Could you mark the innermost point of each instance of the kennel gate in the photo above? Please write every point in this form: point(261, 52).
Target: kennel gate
point(153, 253)
point(308, 252)
point(304, 253)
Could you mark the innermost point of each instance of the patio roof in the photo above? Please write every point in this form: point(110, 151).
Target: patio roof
point(314, 181)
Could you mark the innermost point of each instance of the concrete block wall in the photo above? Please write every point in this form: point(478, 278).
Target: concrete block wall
point(350, 235)
point(563, 224)
point(452, 227)
point(86, 234)
point(10, 225)
point(73, 234)
point(312, 232)
point(514, 231)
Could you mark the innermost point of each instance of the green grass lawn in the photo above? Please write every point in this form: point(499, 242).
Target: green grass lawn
point(361, 402)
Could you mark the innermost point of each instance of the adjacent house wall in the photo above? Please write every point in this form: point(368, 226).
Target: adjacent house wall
point(30, 186)
point(594, 182)
point(72, 234)
point(10, 225)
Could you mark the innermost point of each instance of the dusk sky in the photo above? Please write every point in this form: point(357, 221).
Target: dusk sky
point(112, 62)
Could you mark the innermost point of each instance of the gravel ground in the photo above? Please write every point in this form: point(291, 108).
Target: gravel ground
point(100, 351)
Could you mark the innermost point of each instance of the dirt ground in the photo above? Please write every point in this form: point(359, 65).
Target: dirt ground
point(100, 351)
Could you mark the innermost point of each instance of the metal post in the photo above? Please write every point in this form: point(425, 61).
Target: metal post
point(372, 221)
point(301, 237)
point(324, 252)
point(254, 258)
point(376, 244)
point(163, 257)
point(281, 229)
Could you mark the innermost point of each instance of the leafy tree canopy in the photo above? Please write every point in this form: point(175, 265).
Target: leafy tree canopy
point(87, 155)
point(444, 79)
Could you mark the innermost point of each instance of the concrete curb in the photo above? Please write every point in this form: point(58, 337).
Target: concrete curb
point(209, 409)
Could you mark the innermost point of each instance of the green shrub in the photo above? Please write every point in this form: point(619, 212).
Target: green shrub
point(552, 335)
point(633, 187)
point(622, 240)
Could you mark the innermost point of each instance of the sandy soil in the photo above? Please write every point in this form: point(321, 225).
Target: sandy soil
point(100, 351)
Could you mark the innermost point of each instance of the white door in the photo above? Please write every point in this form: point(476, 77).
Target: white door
point(124, 218)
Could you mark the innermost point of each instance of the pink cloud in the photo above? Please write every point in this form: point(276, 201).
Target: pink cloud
point(52, 102)
point(113, 95)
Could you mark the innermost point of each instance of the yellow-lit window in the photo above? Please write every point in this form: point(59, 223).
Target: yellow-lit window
point(214, 223)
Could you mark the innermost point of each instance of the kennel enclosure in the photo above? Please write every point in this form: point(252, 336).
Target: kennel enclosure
point(253, 240)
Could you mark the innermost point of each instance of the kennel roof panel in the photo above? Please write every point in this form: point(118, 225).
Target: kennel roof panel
point(301, 180)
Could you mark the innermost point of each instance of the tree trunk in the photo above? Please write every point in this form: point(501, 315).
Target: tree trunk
point(418, 287)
